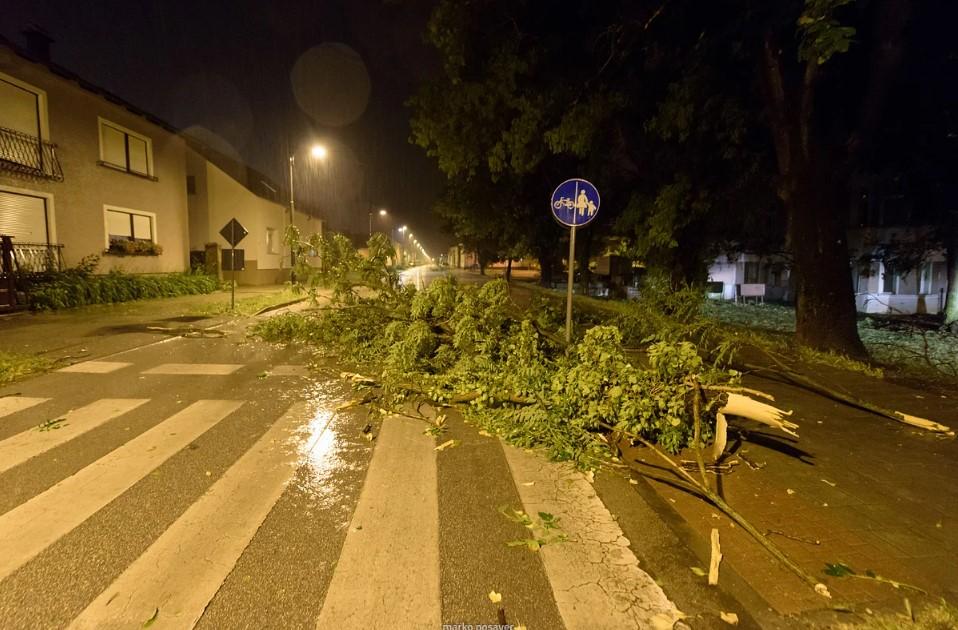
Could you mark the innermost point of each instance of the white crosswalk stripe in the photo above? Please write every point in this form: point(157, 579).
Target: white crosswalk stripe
point(34, 525)
point(30, 443)
point(12, 404)
point(395, 529)
point(95, 367)
point(202, 546)
point(195, 369)
point(393, 532)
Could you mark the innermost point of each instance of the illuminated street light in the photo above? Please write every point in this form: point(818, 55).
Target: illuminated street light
point(382, 212)
point(319, 152)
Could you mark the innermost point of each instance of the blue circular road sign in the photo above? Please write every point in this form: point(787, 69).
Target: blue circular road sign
point(575, 202)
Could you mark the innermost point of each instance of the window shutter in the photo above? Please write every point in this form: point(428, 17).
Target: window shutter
point(18, 109)
point(138, 159)
point(23, 217)
point(113, 143)
point(142, 228)
point(118, 224)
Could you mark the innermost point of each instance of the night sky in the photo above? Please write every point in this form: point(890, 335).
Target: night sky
point(224, 73)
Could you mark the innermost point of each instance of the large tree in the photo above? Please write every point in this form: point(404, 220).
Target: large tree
point(692, 116)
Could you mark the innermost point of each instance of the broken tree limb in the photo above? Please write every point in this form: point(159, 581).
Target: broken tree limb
point(696, 440)
point(745, 407)
point(812, 385)
point(721, 436)
point(718, 502)
point(715, 559)
point(738, 390)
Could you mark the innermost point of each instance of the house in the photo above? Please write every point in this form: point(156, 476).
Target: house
point(749, 277)
point(459, 257)
point(881, 287)
point(220, 189)
point(84, 173)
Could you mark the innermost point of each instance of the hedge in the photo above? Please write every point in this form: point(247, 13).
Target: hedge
point(68, 289)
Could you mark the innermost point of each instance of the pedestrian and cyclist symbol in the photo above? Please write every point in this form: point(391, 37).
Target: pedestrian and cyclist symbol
point(575, 202)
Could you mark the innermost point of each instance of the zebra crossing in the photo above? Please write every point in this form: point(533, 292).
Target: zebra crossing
point(383, 567)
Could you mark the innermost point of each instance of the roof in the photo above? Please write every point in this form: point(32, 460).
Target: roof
point(65, 73)
point(254, 181)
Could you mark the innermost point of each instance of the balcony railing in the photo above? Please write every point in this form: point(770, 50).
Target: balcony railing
point(37, 257)
point(29, 155)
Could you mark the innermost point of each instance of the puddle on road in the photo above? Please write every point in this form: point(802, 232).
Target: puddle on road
point(187, 319)
point(155, 328)
point(331, 452)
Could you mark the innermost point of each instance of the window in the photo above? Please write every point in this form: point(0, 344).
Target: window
point(23, 119)
point(887, 280)
point(272, 241)
point(125, 150)
point(752, 275)
point(23, 108)
point(123, 224)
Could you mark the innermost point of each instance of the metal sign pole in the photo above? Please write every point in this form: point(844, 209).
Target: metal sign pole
point(232, 266)
point(568, 296)
point(232, 278)
point(575, 203)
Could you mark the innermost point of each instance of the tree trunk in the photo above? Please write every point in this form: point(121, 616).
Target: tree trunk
point(546, 270)
point(583, 252)
point(951, 258)
point(508, 269)
point(825, 314)
point(810, 188)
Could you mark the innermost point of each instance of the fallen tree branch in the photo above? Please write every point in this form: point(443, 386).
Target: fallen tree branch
point(718, 502)
point(828, 392)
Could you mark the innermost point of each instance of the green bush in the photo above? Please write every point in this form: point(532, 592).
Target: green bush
point(79, 287)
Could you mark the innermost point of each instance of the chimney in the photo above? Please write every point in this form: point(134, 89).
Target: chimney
point(38, 43)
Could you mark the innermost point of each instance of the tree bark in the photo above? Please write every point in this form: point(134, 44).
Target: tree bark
point(508, 269)
point(546, 270)
point(825, 316)
point(825, 313)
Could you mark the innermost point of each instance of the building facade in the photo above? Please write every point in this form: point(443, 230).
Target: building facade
point(749, 277)
point(83, 173)
point(218, 195)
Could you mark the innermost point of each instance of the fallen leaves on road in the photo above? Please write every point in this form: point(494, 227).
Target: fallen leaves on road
point(448, 444)
point(51, 425)
point(149, 622)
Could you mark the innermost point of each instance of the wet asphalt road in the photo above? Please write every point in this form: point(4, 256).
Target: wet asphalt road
point(163, 459)
point(282, 576)
point(302, 533)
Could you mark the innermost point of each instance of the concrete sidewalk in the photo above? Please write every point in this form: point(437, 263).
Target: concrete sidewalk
point(99, 330)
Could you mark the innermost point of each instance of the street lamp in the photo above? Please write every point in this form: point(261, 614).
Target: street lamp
point(319, 152)
point(382, 213)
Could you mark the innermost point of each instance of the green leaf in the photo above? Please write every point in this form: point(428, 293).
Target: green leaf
point(699, 571)
point(838, 570)
point(149, 622)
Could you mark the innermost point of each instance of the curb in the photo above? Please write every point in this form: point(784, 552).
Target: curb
point(276, 307)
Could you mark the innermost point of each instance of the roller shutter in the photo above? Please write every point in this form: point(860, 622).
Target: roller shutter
point(24, 217)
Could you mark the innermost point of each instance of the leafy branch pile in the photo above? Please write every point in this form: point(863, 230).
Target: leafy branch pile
point(472, 347)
